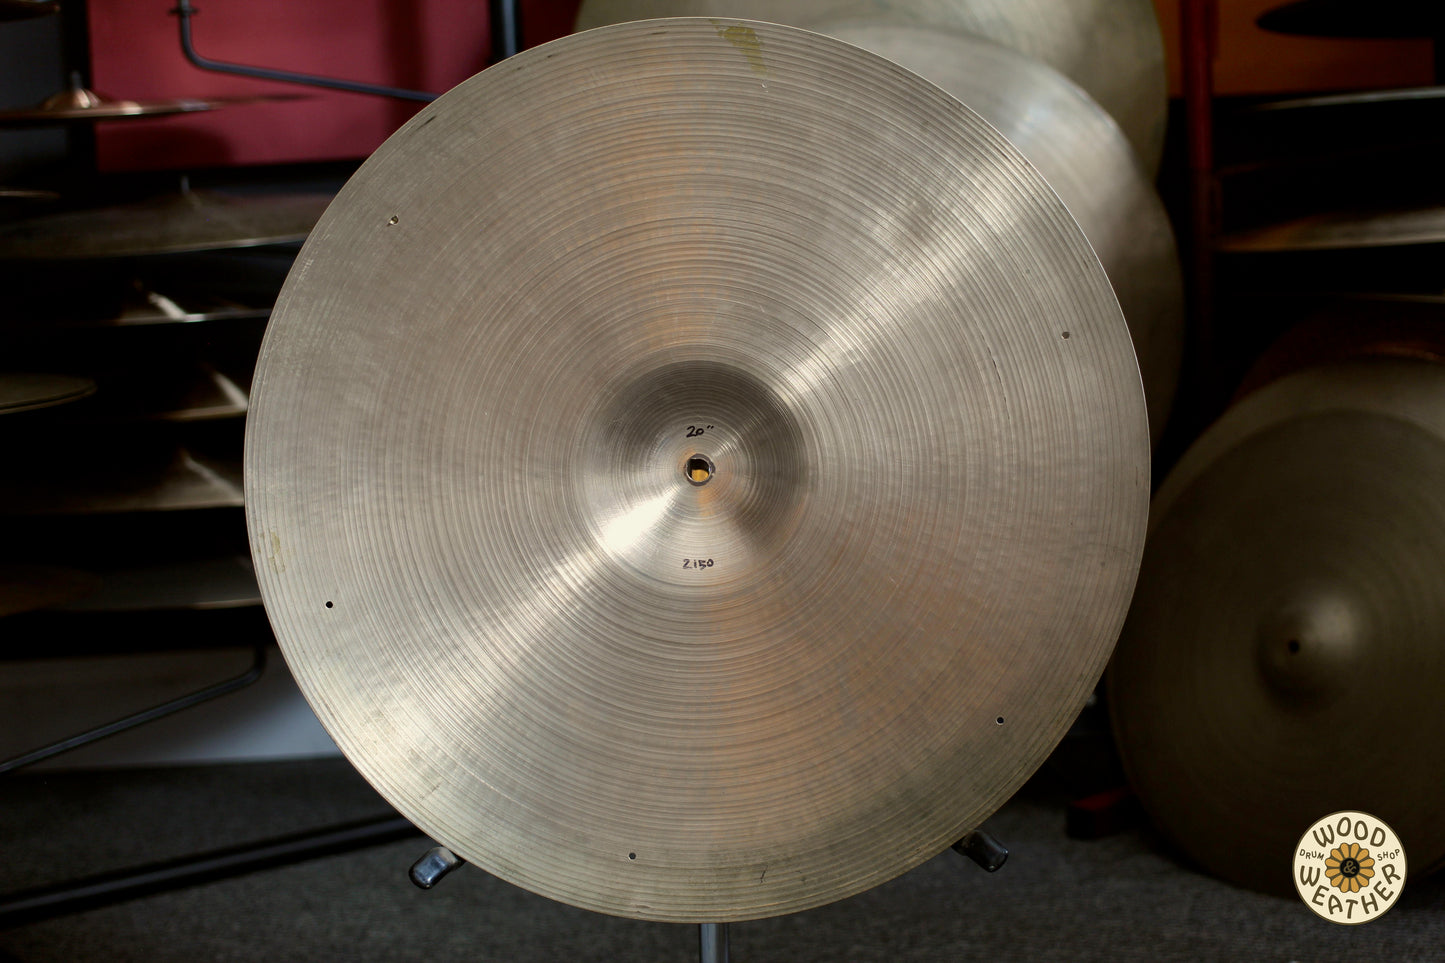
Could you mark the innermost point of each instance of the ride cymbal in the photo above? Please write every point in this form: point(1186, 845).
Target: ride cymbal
point(696, 470)
point(169, 224)
point(1282, 659)
point(1083, 155)
point(1068, 35)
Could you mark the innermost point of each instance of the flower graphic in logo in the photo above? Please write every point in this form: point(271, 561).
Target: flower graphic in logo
point(1348, 868)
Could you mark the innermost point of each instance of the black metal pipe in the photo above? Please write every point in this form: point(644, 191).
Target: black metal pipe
point(258, 666)
point(185, 11)
point(506, 27)
point(89, 892)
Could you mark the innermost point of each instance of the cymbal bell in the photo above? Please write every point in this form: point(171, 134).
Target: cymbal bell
point(1288, 600)
point(1083, 155)
point(719, 506)
point(1067, 35)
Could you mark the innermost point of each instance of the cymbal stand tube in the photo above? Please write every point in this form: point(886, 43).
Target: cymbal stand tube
point(184, 11)
point(712, 939)
point(258, 666)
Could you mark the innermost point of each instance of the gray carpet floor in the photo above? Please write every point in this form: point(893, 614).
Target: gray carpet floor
point(1119, 898)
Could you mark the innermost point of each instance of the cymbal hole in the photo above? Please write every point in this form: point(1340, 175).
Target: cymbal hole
point(1293, 646)
point(328, 605)
point(631, 855)
point(999, 720)
point(1066, 335)
point(698, 470)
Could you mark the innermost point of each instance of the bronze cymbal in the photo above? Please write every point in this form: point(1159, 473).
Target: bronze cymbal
point(1083, 155)
point(1341, 230)
point(719, 506)
point(1068, 35)
point(80, 105)
point(27, 194)
point(1288, 606)
point(187, 220)
point(25, 9)
point(24, 391)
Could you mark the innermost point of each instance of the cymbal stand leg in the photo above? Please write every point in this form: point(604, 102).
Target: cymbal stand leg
point(712, 939)
point(258, 667)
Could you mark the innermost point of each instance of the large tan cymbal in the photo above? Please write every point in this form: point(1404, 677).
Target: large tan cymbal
point(696, 470)
point(168, 224)
point(1283, 657)
point(1083, 155)
point(1111, 48)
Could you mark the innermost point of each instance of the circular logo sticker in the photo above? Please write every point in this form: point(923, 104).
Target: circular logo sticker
point(1349, 867)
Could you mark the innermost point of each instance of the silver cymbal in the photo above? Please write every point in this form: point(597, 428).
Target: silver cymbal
point(1111, 48)
point(1289, 601)
point(24, 390)
point(695, 470)
point(1083, 155)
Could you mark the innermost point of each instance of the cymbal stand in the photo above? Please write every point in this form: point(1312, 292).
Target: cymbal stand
point(712, 938)
point(506, 40)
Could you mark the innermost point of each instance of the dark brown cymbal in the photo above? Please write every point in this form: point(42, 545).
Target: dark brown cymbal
point(24, 391)
point(195, 584)
point(1400, 19)
point(83, 482)
point(1283, 658)
point(179, 391)
point(696, 470)
point(27, 587)
point(79, 105)
point(25, 9)
point(169, 224)
point(1343, 230)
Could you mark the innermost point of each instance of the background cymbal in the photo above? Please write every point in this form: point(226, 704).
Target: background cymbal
point(78, 105)
point(25, 9)
point(131, 478)
point(1350, 18)
point(1341, 230)
point(1068, 35)
point(23, 391)
point(823, 280)
point(172, 223)
point(26, 587)
point(1283, 657)
point(1083, 155)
